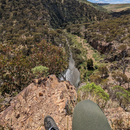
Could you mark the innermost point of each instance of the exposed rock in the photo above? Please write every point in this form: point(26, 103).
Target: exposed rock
point(118, 118)
point(102, 47)
point(41, 98)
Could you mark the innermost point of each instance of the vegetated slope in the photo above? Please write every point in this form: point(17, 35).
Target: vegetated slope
point(64, 12)
point(102, 4)
point(119, 14)
point(33, 18)
point(111, 68)
point(111, 38)
point(24, 24)
point(56, 11)
point(107, 36)
point(96, 6)
point(116, 7)
point(111, 30)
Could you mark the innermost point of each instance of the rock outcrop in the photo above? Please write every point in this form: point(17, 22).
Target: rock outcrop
point(45, 96)
point(102, 47)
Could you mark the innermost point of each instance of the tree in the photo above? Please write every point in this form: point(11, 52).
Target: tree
point(120, 78)
point(96, 79)
point(103, 71)
point(124, 64)
point(123, 96)
point(90, 64)
point(0, 13)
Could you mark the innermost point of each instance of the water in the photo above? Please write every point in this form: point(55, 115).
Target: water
point(71, 74)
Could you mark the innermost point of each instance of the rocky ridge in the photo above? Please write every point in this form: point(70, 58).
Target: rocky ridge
point(48, 96)
point(43, 97)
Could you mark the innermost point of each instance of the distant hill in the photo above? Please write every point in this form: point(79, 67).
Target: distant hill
point(96, 6)
point(116, 7)
point(102, 4)
point(121, 13)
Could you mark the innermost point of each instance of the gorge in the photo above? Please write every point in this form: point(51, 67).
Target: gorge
point(71, 74)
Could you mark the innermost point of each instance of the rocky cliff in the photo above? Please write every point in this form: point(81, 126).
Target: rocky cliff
point(43, 97)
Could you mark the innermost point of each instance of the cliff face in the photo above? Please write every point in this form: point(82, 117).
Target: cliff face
point(43, 97)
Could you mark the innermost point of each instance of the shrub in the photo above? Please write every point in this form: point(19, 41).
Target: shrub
point(122, 47)
point(89, 73)
point(40, 71)
point(96, 79)
point(120, 78)
point(96, 66)
point(90, 64)
point(15, 67)
point(93, 92)
point(103, 71)
point(123, 96)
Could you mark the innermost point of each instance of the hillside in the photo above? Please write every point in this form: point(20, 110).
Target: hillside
point(121, 13)
point(107, 45)
point(39, 38)
point(109, 37)
point(116, 7)
point(96, 6)
point(24, 25)
point(57, 13)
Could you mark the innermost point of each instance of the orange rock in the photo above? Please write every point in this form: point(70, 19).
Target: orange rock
point(29, 108)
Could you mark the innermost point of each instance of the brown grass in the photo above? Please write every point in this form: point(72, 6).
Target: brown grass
point(116, 7)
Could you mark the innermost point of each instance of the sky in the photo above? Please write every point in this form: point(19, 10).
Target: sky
point(110, 1)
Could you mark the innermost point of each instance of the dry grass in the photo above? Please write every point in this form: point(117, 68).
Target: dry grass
point(116, 7)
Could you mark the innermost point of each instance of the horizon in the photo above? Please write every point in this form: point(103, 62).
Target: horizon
point(111, 1)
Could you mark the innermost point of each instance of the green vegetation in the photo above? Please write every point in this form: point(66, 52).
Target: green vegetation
point(97, 56)
point(120, 78)
point(96, 79)
point(79, 55)
point(90, 64)
point(23, 26)
point(15, 65)
point(33, 43)
point(88, 73)
point(93, 92)
point(109, 30)
point(103, 71)
point(93, 5)
point(122, 95)
point(40, 71)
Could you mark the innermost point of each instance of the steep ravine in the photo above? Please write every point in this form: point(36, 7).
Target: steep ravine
point(71, 74)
